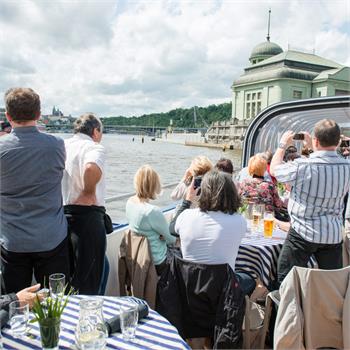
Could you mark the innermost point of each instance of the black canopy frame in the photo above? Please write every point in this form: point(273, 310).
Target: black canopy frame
point(264, 132)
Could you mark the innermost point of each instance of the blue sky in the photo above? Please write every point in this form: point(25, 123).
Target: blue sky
point(134, 57)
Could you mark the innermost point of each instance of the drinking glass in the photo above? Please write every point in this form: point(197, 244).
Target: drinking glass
point(268, 224)
point(258, 212)
point(18, 313)
point(57, 283)
point(128, 320)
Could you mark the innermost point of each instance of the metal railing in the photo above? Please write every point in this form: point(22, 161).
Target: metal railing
point(129, 194)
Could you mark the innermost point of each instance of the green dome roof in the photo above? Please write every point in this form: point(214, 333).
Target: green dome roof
point(265, 50)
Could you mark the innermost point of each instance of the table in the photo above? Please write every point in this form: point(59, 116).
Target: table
point(153, 331)
point(257, 256)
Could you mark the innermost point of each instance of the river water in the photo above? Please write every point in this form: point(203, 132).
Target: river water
point(170, 160)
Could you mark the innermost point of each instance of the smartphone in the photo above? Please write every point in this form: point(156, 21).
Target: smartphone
point(197, 182)
point(299, 137)
point(345, 143)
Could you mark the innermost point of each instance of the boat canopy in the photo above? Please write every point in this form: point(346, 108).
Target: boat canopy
point(265, 131)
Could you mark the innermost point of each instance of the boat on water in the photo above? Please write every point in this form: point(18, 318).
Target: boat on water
point(262, 134)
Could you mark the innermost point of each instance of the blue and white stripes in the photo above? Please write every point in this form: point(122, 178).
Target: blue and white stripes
point(153, 331)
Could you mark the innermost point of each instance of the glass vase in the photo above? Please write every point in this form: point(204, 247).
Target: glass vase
point(50, 333)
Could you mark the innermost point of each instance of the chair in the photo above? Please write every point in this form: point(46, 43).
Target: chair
point(202, 301)
point(253, 323)
point(313, 309)
point(136, 271)
point(273, 298)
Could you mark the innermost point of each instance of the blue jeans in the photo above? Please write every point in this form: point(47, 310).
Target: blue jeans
point(104, 278)
point(246, 282)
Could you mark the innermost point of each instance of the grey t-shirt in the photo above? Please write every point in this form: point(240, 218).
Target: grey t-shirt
point(31, 170)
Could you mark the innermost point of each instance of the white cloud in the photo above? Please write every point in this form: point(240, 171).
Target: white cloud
point(130, 58)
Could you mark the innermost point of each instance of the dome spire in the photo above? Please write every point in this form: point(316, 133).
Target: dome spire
point(268, 26)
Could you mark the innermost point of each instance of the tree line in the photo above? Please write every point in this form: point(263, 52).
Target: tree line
point(181, 117)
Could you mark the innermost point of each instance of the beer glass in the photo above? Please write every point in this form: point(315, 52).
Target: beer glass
point(258, 212)
point(268, 224)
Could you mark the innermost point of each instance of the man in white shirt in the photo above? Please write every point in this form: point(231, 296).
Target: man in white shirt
point(83, 188)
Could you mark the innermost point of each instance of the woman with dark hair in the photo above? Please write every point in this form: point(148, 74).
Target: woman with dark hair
point(224, 165)
point(212, 233)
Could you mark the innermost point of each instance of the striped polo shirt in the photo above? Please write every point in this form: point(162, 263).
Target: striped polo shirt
point(316, 202)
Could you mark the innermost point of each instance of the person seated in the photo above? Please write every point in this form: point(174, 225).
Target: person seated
point(257, 189)
point(212, 233)
point(147, 219)
point(244, 172)
point(199, 166)
point(224, 165)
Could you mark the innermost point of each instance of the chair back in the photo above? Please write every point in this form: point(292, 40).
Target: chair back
point(314, 310)
point(202, 301)
point(137, 273)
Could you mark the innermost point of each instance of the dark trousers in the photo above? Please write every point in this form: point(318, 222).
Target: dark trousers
point(87, 234)
point(296, 251)
point(18, 268)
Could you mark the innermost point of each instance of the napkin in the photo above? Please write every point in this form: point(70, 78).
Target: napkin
point(113, 324)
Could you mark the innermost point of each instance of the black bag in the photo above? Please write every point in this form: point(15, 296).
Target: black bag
point(108, 224)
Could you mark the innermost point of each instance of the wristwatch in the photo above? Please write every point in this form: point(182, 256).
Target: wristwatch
point(282, 145)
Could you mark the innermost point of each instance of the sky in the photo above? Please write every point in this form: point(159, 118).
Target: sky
point(135, 57)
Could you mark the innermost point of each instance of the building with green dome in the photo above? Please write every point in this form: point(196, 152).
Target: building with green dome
point(275, 75)
point(272, 76)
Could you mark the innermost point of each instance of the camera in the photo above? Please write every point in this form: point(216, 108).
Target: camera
point(197, 182)
point(299, 136)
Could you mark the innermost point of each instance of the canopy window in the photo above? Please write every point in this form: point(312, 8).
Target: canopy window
point(266, 129)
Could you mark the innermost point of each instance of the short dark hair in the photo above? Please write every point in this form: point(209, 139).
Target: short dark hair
point(224, 165)
point(86, 124)
point(22, 104)
point(327, 132)
point(218, 193)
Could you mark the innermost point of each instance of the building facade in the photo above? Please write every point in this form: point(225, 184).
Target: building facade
point(275, 76)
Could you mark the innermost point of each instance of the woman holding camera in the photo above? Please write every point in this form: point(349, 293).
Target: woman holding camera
point(199, 166)
point(147, 219)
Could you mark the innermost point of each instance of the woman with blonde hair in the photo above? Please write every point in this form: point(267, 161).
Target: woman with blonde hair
point(199, 166)
point(147, 219)
point(257, 189)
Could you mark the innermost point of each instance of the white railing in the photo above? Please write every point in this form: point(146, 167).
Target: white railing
point(126, 195)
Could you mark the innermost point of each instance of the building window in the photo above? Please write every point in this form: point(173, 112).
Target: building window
point(258, 107)
point(253, 104)
point(341, 92)
point(297, 94)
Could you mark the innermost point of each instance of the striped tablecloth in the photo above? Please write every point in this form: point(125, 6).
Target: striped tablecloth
point(258, 256)
point(153, 331)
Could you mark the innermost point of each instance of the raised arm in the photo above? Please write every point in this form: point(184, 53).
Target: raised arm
point(277, 159)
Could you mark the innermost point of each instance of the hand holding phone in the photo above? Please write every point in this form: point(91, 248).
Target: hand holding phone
point(299, 136)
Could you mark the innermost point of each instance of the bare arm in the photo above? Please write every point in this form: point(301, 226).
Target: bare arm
point(92, 175)
point(277, 159)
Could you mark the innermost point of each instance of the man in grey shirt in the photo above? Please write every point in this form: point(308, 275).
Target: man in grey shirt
point(32, 223)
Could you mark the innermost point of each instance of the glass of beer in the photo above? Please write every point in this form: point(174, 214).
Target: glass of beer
point(268, 224)
point(258, 212)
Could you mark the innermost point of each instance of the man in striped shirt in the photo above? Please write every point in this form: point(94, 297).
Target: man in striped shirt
point(319, 184)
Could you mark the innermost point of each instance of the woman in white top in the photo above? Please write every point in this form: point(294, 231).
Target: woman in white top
point(212, 233)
